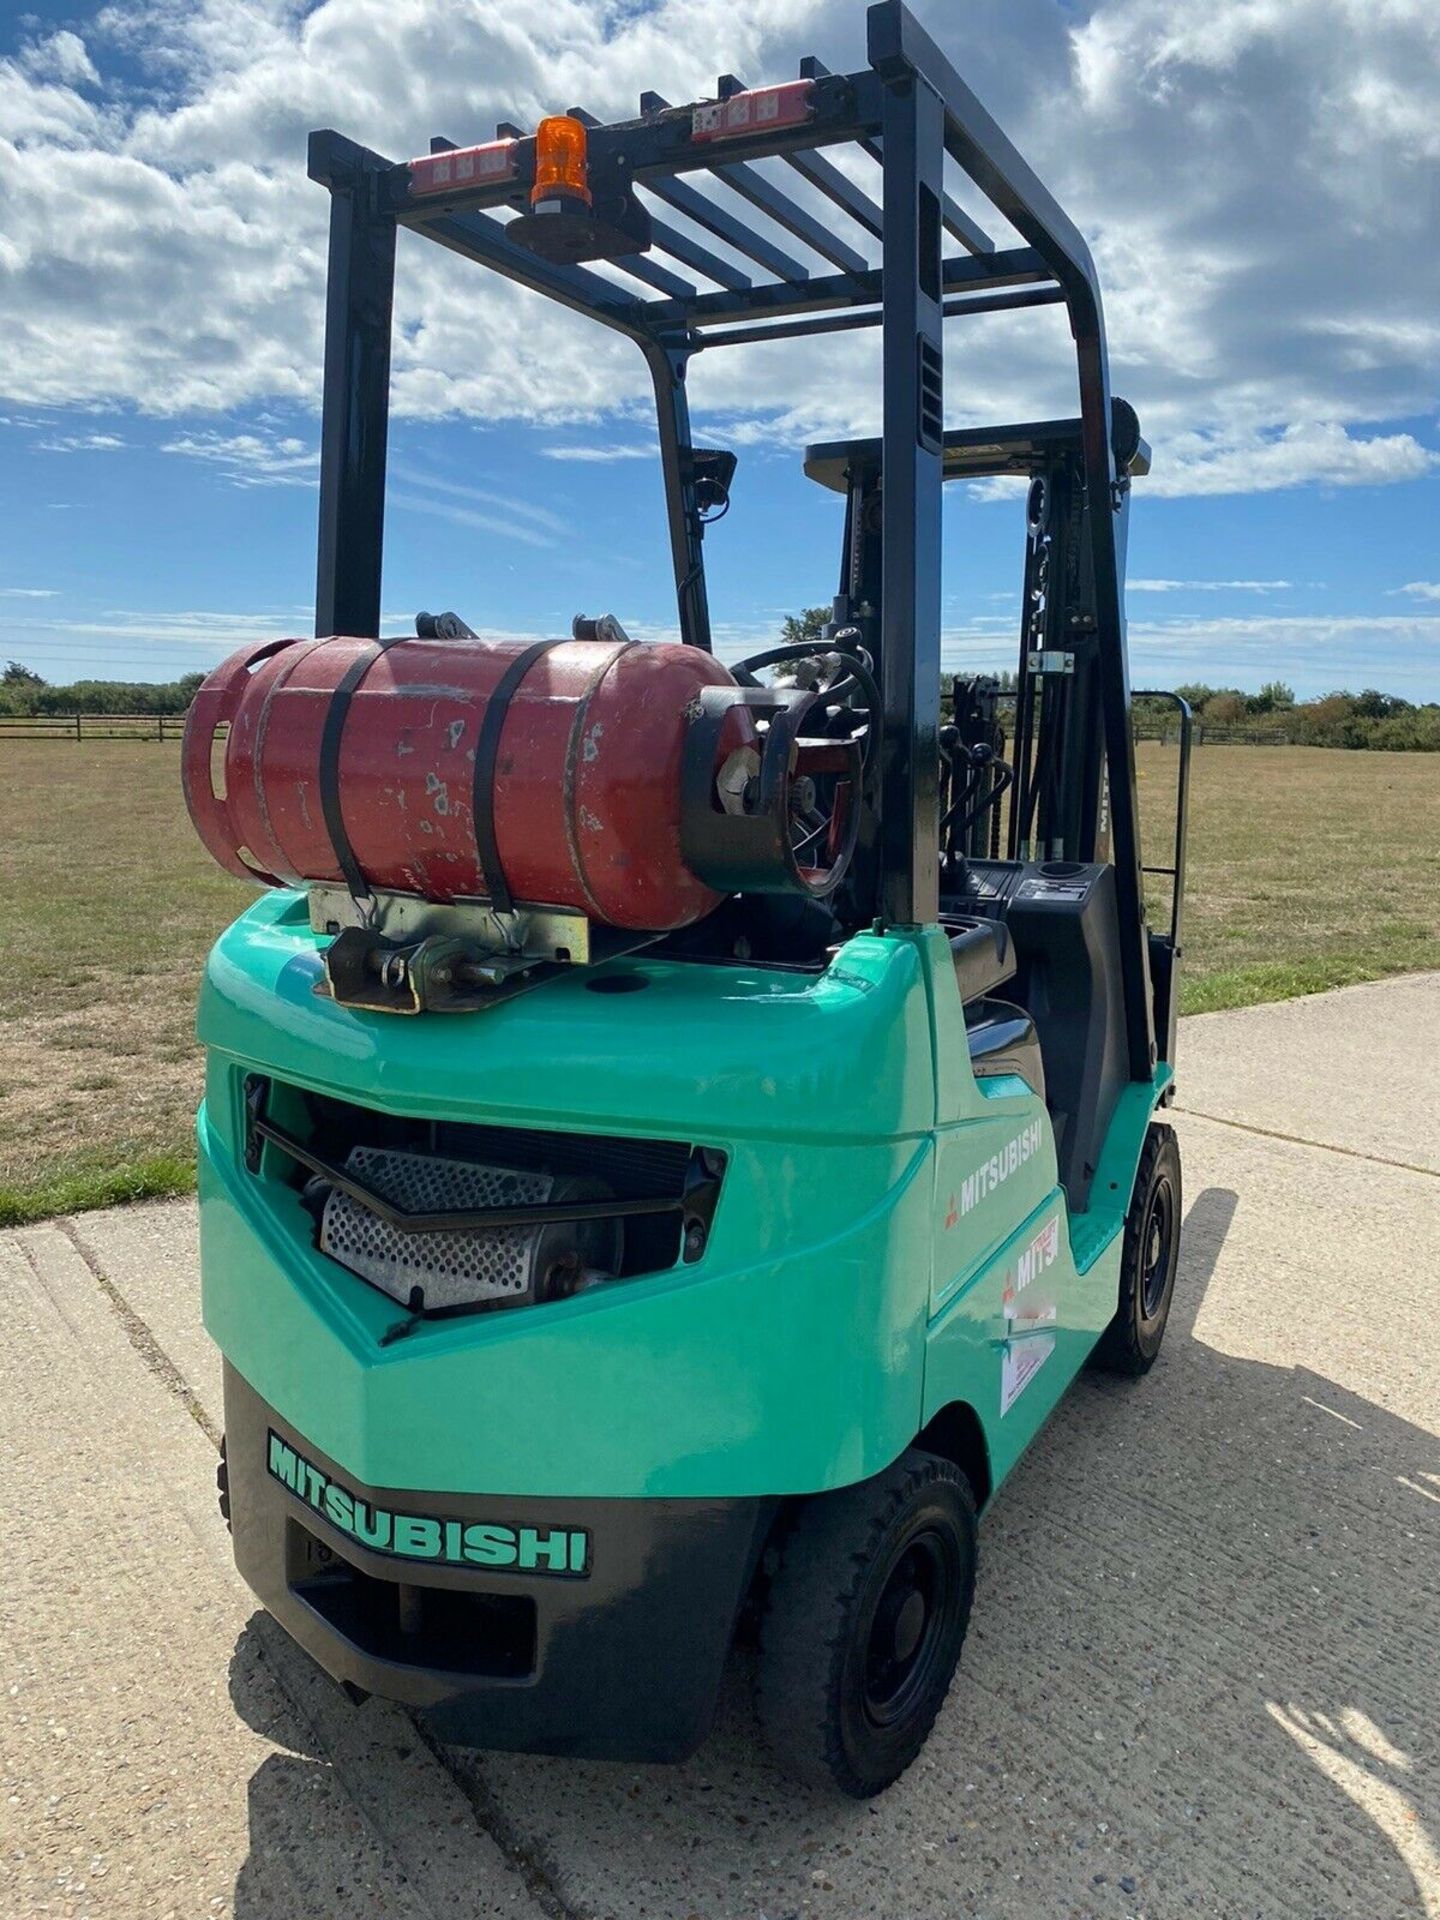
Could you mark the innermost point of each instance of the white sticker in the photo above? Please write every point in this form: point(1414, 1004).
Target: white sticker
point(1021, 1361)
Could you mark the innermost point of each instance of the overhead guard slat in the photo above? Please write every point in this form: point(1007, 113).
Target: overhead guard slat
point(872, 317)
point(683, 197)
point(967, 273)
point(752, 185)
point(840, 188)
point(699, 259)
point(746, 180)
point(654, 275)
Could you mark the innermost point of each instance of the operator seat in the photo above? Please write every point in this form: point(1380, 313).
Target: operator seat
point(1002, 1037)
point(1003, 1040)
point(1063, 925)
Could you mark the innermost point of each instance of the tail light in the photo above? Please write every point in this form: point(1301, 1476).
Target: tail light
point(460, 167)
point(761, 110)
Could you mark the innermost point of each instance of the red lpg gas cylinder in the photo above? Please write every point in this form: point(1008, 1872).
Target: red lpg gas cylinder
point(579, 769)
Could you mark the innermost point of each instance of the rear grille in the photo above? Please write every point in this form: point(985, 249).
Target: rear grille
point(450, 1269)
point(640, 1206)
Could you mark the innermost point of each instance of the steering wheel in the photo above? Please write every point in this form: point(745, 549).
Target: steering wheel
point(824, 800)
point(854, 671)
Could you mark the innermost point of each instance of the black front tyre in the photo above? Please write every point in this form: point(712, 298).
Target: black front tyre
point(1131, 1342)
point(864, 1622)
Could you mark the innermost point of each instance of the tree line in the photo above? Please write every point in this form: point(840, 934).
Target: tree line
point(1369, 719)
point(23, 694)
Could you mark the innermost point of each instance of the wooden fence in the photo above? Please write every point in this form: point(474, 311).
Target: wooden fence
point(170, 726)
point(1203, 733)
point(92, 726)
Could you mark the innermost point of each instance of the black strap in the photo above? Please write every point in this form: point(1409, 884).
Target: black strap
point(487, 752)
point(330, 739)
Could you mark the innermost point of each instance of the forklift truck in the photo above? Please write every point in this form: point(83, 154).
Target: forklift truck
point(650, 1285)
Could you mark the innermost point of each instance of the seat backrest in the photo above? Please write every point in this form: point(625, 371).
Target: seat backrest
point(981, 951)
point(1002, 1039)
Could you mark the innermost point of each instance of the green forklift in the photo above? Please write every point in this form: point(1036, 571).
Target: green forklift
point(673, 1130)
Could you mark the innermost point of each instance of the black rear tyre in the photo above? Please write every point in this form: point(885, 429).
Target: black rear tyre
point(1130, 1343)
point(864, 1622)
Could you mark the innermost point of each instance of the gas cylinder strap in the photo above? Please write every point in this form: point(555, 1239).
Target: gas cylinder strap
point(330, 739)
point(487, 754)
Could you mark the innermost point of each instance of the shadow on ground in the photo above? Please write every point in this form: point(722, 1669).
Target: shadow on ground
point(1201, 1678)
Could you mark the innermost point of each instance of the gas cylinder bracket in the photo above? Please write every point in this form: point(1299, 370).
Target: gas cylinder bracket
point(412, 955)
point(438, 974)
point(539, 932)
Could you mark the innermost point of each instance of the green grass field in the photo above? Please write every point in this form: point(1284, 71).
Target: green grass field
point(1308, 869)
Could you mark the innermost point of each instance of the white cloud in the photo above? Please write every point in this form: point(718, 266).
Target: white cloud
point(252, 459)
point(1258, 179)
point(1420, 589)
point(462, 516)
point(1266, 463)
point(216, 630)
point(479, 507)
point(82, 443)
point(29, 593)
point(62, 57)
point(1206, 586)
point(597, 454)
point(510, 504)
point(1316, 652)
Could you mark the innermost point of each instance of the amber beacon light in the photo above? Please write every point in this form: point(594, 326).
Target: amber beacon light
point(561, 165)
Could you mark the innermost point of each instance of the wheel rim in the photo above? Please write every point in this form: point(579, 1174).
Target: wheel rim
point(908, 1627)
point(1155, 1248)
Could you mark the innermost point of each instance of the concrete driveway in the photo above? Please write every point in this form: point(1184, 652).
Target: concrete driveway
point(1202, 1678)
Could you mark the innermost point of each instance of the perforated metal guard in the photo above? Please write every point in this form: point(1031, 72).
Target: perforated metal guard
point(452, 1269)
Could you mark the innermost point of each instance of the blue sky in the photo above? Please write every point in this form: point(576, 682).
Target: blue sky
point(161, 269)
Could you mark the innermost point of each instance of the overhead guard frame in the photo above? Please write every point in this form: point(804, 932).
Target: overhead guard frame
point(906, 111)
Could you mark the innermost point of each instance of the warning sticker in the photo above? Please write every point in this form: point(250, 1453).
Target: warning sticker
point(1021, 1361)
